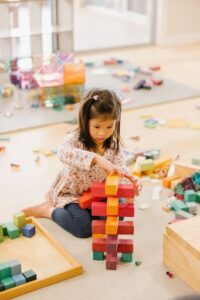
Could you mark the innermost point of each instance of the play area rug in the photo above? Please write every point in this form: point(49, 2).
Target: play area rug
point(16, 112)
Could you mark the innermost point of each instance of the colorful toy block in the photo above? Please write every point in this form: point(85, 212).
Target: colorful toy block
point(125, 209)
point(127, 257)
point(189, 196)
point(111, 187)
point(29, 275)
point(192, 206)
point(5, 270)
point(2, 288)
point(19, 219)
point(15, 266)
point(181, 214)
point(124, 245)
point(1, 233)
point(124, 227)
point(11, 230)
point(8, 282)
point(28, 230)
point(111, 261)
point(112, 225)
point(98, 255)
point(167, 181)
point(112, 206)
point(178, 205)
point(19, 279)
point(124, 190)
point(86, 200)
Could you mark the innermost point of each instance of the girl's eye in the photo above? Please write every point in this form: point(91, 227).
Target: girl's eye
point(96, 127)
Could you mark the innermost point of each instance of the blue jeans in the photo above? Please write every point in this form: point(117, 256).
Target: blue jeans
point(76, 220)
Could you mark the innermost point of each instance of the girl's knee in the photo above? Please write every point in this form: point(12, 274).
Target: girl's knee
point(83, 229)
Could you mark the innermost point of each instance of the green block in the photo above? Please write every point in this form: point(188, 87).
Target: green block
point(5, 233)
point(198, 197)
point(178, 205)
point(189, 196)
point(5, 270)
point(19, 219)
point(12, 230)
point(127, 257)
point(8, 282)
point(1, 233)
point(98, 255)
point(179, 189)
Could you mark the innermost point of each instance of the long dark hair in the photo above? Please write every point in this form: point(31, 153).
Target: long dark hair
point(100, 103)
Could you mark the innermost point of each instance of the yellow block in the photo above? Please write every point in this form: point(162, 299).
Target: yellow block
point(112, 206)
point(112, 225)
point(136, 168)
point(112, 182)
point(168, 180)
point(161, 162)
point(99, 236)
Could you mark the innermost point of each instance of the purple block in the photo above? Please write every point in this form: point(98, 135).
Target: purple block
point(28, 230)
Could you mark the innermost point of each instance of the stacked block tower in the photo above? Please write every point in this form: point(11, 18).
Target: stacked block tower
point(105, 232)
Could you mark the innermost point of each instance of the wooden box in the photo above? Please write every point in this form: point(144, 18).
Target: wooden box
point(181, 250)
point(41, 253)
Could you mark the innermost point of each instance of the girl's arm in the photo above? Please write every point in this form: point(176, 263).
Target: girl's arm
point(119, 161)
point(70, 153)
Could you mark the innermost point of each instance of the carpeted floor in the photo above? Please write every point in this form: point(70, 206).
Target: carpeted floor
point(22, 116)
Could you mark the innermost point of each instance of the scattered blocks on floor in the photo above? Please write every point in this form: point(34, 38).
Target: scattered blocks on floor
point(28, 230)
point(127, 257)
point(30, 275)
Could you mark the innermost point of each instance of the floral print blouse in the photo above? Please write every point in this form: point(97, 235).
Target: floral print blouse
point(79, 173)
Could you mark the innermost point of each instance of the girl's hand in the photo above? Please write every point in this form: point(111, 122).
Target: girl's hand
point(107, 166)
point(135, 182)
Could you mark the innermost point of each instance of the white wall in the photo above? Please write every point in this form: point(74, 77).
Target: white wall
point(178, 21)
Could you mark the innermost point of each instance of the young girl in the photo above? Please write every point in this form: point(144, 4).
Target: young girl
point(89, 153)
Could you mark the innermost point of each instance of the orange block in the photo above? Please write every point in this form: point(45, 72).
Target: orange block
point(112, 206)
point(99, 236)
point(112, 182)
point(168, 180)
point(161, 162)
point(112, 225)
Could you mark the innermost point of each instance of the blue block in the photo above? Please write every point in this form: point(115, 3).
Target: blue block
point(15, 267)
point(28, 230)
point(19, 279)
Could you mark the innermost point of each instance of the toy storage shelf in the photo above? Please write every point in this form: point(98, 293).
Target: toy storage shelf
point(35, 27)
point(41, 253)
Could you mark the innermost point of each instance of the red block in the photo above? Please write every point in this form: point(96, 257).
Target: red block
point(125, 209)
point(111, 261)
point(86, 200)
point(124, 190)
point(124, 245)
point(124, 227)
point(111, 243)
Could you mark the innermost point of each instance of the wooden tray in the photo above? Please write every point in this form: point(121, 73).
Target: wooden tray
point(41, 253)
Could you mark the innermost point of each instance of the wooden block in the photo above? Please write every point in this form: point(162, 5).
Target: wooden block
point(181, 214)
point(181, 251)
point(124, 190)
point(124, 245)
point(146, 165)
point(127, 257)
point(1, 233)
point(29, 275)
point(8, 282)
point(189, 196)
point(111, 261)
point(167, 181)
point(125, 209)
point(19, 219)
point(12, 230)
point(99, 235)
point(15, 266)
point(111, 243)
point(19, 279)
point(5, 270)
point(112, 206)
point(178, 205)
point(111, 186)
point(98, 255)
point(28, 230)
point(136, 168)
point(112, 225)
point(182, 169)
point(161, 162)
point(124, 227)
point(192, 206)
point(86, 200)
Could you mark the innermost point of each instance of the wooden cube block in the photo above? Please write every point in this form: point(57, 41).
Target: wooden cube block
point(112, 206)
point(98, 255)
point(15, 266)
point(19, 219)
point(111, 261)
point(8, 282)
point(5, 270)
point(29, 275)
point(127, 257)
point(19, 279)
point(181, 251)
point(112, 225)
point(28, 230)
point(1, 233)
point(111, 187)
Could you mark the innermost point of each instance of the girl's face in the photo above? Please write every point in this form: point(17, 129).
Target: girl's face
point(101, 129)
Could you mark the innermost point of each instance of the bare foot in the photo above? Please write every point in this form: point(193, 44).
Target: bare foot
point(43, 210)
